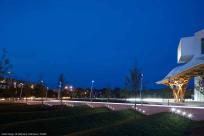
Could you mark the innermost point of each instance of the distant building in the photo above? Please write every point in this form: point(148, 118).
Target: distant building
point(191, 55)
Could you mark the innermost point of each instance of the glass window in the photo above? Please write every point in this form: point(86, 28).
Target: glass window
point(202, 46)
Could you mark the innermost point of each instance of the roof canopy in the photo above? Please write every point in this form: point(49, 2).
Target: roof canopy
point(193, 68)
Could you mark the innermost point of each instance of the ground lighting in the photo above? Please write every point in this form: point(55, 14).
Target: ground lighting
point(138, 109)
point(182, 113)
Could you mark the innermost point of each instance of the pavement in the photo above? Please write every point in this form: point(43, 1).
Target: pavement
point(191, 111)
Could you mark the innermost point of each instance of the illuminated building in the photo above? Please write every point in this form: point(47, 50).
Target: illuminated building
point(191, 60)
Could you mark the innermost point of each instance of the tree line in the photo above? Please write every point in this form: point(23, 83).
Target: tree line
point(24, 89)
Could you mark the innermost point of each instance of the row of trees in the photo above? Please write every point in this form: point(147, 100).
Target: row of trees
point(41, 91)
point(131, 89)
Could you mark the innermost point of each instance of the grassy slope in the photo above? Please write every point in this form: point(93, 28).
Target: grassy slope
point(7, 107)
point(61, 121)
point(164, 124)
point(55, 112)
point(85, 121)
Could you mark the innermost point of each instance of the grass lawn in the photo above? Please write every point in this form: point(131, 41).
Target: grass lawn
point(82, 121)
point(164, 124)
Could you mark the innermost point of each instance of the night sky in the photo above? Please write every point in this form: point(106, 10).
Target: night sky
point(98, 40)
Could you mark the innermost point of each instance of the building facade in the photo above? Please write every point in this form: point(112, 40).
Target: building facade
point(191, 59)
point(190, 47)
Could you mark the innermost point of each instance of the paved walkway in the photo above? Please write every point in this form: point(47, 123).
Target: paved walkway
point(191, 112)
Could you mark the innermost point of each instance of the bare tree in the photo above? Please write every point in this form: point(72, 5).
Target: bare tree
point(127, 86)
point(107, 92)
point(61, 86)
point(5, 65)
point(135, 79)
point(43, 90)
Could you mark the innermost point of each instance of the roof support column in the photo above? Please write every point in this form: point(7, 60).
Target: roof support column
point(179, 89)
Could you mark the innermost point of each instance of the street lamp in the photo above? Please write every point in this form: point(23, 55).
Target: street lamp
point(71, 90)
point(60, 89)
point(9, 78)
point(21, 86)
point(9, 75)
point(47, 92)
point(42, 82)
point(66, 87)
point(92, 84)
point(141, 77)
point(16, 90)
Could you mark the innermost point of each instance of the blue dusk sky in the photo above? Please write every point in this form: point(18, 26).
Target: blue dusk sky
point(100, 40)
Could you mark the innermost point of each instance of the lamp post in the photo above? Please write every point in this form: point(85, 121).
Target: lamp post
point(169, 80)
point(9, 76)
point(92, 84)
point(16, 90)
point(71, 89)
point(21, 86)
point(60, 92)
point(10, 84)
point(141, 87)
point(42, 90)
point(60, 88)
point(47, 92)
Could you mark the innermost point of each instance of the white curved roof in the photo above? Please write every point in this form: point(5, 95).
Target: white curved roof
point(195, 61)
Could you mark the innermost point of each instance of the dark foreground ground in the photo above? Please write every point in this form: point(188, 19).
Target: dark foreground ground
point(21, 119)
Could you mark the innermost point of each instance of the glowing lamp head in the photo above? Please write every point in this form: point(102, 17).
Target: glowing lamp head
point(66, 87)
point(71, 87)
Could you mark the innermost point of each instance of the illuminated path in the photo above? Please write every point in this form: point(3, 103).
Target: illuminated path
point(192, 112)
